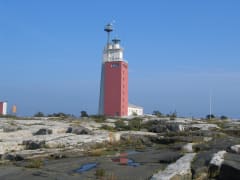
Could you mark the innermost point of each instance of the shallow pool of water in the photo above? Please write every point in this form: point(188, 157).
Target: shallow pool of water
point(86, 167)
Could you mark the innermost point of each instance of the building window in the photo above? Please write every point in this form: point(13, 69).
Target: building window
point(115, 65)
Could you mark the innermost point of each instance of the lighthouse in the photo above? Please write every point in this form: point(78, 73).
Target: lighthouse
point(3, 108)
point(113, 99)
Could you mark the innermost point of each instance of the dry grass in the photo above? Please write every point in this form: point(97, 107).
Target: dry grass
point(35, 163)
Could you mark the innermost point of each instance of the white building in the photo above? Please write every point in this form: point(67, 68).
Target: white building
point(3, 108)
point(135, 110)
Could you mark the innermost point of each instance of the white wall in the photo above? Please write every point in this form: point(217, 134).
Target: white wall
point(133, 110)
point(4, 108)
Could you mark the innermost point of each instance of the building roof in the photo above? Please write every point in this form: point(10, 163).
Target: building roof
point(134, 106)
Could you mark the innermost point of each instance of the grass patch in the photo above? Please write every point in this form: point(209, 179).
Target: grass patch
point(108, 128)
point(35, 163)
point(100, 173)
point(106, 149)
point(96, 152)
point(98, 118)
point(103, 175)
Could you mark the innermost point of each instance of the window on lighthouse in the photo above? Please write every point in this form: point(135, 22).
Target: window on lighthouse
point(115, 65)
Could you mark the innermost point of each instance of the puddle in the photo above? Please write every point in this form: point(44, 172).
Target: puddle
point(132, 163)
point(130, 152)
point(125, 161)
point(86, 167)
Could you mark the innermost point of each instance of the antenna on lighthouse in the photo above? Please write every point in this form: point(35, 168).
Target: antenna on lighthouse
point(108, 28)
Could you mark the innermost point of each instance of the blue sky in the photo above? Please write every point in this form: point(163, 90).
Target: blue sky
point(178, 52)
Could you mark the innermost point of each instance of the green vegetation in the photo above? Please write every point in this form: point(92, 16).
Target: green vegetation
point(121, 126)
point(96, 152)
point(111, 148)
point(8, 116)
point(103, 175)
point(210, 116)
point(100, 173)
point(39, 114)
point(157, 113)
point(110, 176)
point(98, 118)
point(107, 127)
point(35, 163)
point(135, 124)
point(84, 114)
point(223, 117)
point(61, 115)
point(173, 115)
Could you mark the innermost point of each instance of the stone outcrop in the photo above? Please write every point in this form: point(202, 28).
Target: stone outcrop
point(235, 149)
point(166, 126)
point(169, 146)
point(200, 165)
point(43, 131)
point(180, 170)
point(79, 130)
point(33, 144)
point(215, 164)
point(47, 135)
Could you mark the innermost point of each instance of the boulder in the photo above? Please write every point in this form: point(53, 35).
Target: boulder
point(33, 144)
point(160, 127)
point(12, 157)
point(163, 140)
point(79, 130)
point(235, 149)
point(136, 138)
point(188, 148)
point(43, 131)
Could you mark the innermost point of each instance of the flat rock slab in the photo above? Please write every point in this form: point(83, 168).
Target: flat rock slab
point(181, 169)
point(165, 156)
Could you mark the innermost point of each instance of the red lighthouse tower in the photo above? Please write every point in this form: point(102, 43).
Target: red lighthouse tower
point(114, 79)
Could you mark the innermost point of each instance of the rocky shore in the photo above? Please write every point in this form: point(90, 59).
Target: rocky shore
point(138, 148)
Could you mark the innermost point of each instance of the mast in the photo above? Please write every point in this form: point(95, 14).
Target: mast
point(108, 28)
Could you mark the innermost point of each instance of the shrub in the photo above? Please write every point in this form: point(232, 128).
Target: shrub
point(157, 113)
point(100, 173)
point(39, 114)
point(98, 118)
point(135, 124)
point(35, 163)
point(84, 114)
point(106, 127)
point(173, 115)
point(210, 116)
point(120, 125)
point(223, 117)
